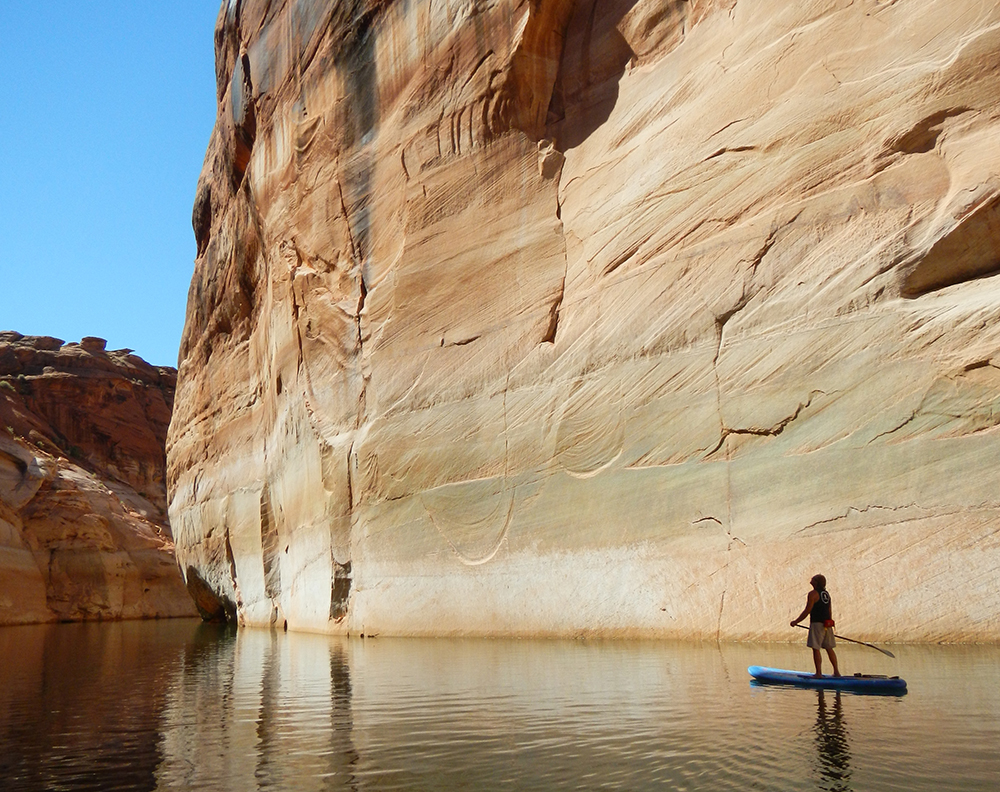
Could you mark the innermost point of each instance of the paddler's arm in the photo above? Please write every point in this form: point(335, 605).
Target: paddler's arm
point(811, 600)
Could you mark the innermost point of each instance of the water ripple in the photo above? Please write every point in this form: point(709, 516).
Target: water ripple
point(174, 706)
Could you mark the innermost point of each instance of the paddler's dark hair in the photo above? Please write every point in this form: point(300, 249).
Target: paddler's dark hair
point(819, 582)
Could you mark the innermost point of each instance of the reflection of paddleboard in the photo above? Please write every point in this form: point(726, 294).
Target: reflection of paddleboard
point(859, 683)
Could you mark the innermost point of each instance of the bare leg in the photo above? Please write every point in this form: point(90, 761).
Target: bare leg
point(818, 660)
point(833, 659)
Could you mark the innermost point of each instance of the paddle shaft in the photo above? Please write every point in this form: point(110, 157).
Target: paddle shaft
point(863, 643)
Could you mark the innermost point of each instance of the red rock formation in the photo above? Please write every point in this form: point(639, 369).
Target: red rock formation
point(83, 523)
point(596, 316)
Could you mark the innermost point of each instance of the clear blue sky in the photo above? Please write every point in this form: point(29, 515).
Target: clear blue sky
point(106, 107)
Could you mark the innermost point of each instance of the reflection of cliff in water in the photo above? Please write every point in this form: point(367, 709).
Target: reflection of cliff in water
point(75, 697)
point(333, 754)
point(279, 706)
point(832, 747)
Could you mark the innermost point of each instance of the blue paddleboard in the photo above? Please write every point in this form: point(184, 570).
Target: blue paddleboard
point(859, 683)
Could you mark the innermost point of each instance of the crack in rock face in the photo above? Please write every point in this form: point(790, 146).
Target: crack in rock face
point(591, 316)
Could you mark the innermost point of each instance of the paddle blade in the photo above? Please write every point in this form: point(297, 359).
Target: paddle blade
point(860, 643)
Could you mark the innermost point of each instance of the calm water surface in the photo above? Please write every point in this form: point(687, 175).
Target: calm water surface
point(179, 706)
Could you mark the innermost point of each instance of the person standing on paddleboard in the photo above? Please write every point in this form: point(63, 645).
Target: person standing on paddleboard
point(819, 609)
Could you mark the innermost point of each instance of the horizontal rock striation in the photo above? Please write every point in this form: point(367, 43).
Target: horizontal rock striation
point(83, 521)
point(610, 317)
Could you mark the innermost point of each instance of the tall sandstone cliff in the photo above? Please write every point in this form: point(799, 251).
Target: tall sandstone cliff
point(596, 317)
point(83, 501)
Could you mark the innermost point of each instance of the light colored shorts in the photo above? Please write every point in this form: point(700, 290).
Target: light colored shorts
point(820, 637)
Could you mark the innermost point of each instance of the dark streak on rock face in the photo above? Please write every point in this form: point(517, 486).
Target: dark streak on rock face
point(244, 117)
point(269, 546)
point(341, 590)
point(361, 78)
point(357, 64)
point(201, 217)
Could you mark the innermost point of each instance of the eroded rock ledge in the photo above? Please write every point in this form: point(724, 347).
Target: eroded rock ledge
point(83, 519)
point(609, 317)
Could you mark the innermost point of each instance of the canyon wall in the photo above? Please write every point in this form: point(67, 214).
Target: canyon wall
point(596, 317)
point(83, 502)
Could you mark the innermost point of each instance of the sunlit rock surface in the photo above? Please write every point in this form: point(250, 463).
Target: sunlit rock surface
point(83, 521)
point(598, 317)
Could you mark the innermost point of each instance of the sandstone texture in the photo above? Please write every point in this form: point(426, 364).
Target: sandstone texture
point(83, 519)
point(596, 317)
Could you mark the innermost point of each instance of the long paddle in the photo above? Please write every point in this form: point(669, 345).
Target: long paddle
point(842, 638)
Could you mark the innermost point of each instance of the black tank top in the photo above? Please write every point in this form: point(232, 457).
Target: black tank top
point(821, 610)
